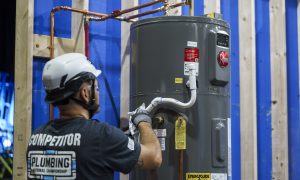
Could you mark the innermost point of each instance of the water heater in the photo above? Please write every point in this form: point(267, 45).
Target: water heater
point(194, 140)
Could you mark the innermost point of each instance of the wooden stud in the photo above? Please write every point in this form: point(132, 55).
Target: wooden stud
point(23, 85)
point(279, 90)
point(62, 45)
point(78, 26)
point(211, 6)
point(248, 118)
point(125, 69)
point(192, 8)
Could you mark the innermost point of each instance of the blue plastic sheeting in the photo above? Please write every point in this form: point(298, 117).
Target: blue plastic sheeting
point(39, 107)
point(293, 89)
point(40, 110)
point(104, 47)
point(62, 19)
point(198, 7)
point(263, 73)
point(229, 9)
point(104, 53)
point(185, 10)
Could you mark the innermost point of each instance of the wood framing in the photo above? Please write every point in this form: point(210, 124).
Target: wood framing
point(248, 118)
point(23, 85)
point(41, 46)
point(125, 69)
point(279, 90)
point(192, 8)
point(78, 26)
point(211, 6)
point(64, 45)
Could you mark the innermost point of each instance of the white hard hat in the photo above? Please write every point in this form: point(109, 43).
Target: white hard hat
point(63, 75)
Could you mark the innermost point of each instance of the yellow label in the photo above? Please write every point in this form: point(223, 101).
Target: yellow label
point(178, 80)
point(211, 15)
point(197, 176)
point(180, 133)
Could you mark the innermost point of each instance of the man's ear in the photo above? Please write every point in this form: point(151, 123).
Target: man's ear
point(84, 94)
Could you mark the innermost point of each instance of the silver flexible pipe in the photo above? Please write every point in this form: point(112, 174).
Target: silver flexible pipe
point(173, 102)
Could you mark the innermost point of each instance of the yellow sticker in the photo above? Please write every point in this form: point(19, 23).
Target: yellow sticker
point(180, 133)
point(197, 176)
point(178, 80)
point(211, 15)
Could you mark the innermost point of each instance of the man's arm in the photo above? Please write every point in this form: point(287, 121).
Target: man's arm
point(150, 156)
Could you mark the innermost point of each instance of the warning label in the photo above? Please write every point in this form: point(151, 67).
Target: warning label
point(191, 55)
point(198, 176)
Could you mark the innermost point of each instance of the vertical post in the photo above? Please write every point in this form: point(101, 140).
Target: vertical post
point(125, 68)
point(192, 9)
point(279, 90)
point(23, 85)
point(78, 25)
point(211, 6)
point(248, 120)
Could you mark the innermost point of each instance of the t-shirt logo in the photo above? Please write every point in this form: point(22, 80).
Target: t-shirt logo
point(51, 164)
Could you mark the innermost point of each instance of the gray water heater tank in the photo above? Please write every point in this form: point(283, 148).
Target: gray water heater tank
point(161, 48)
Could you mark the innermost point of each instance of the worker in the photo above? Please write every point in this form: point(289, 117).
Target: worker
point(75, 146)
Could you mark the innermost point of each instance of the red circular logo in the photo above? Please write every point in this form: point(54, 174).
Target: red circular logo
point(223, 59)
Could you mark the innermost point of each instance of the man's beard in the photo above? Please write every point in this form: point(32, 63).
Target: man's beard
point(95, 108)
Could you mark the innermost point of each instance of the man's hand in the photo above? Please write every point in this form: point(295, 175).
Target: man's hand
point(140, 115)
point(150, 156)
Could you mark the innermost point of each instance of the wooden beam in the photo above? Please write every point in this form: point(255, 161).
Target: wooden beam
point(62, 45)
point(78, 26)
point(23, 85)
point(192, 8)
point(279, 90)
point(125, 69)
point(211, 6)
point(248, 112)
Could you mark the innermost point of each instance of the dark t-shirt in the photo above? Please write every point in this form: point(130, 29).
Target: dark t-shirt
point(79, 149)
